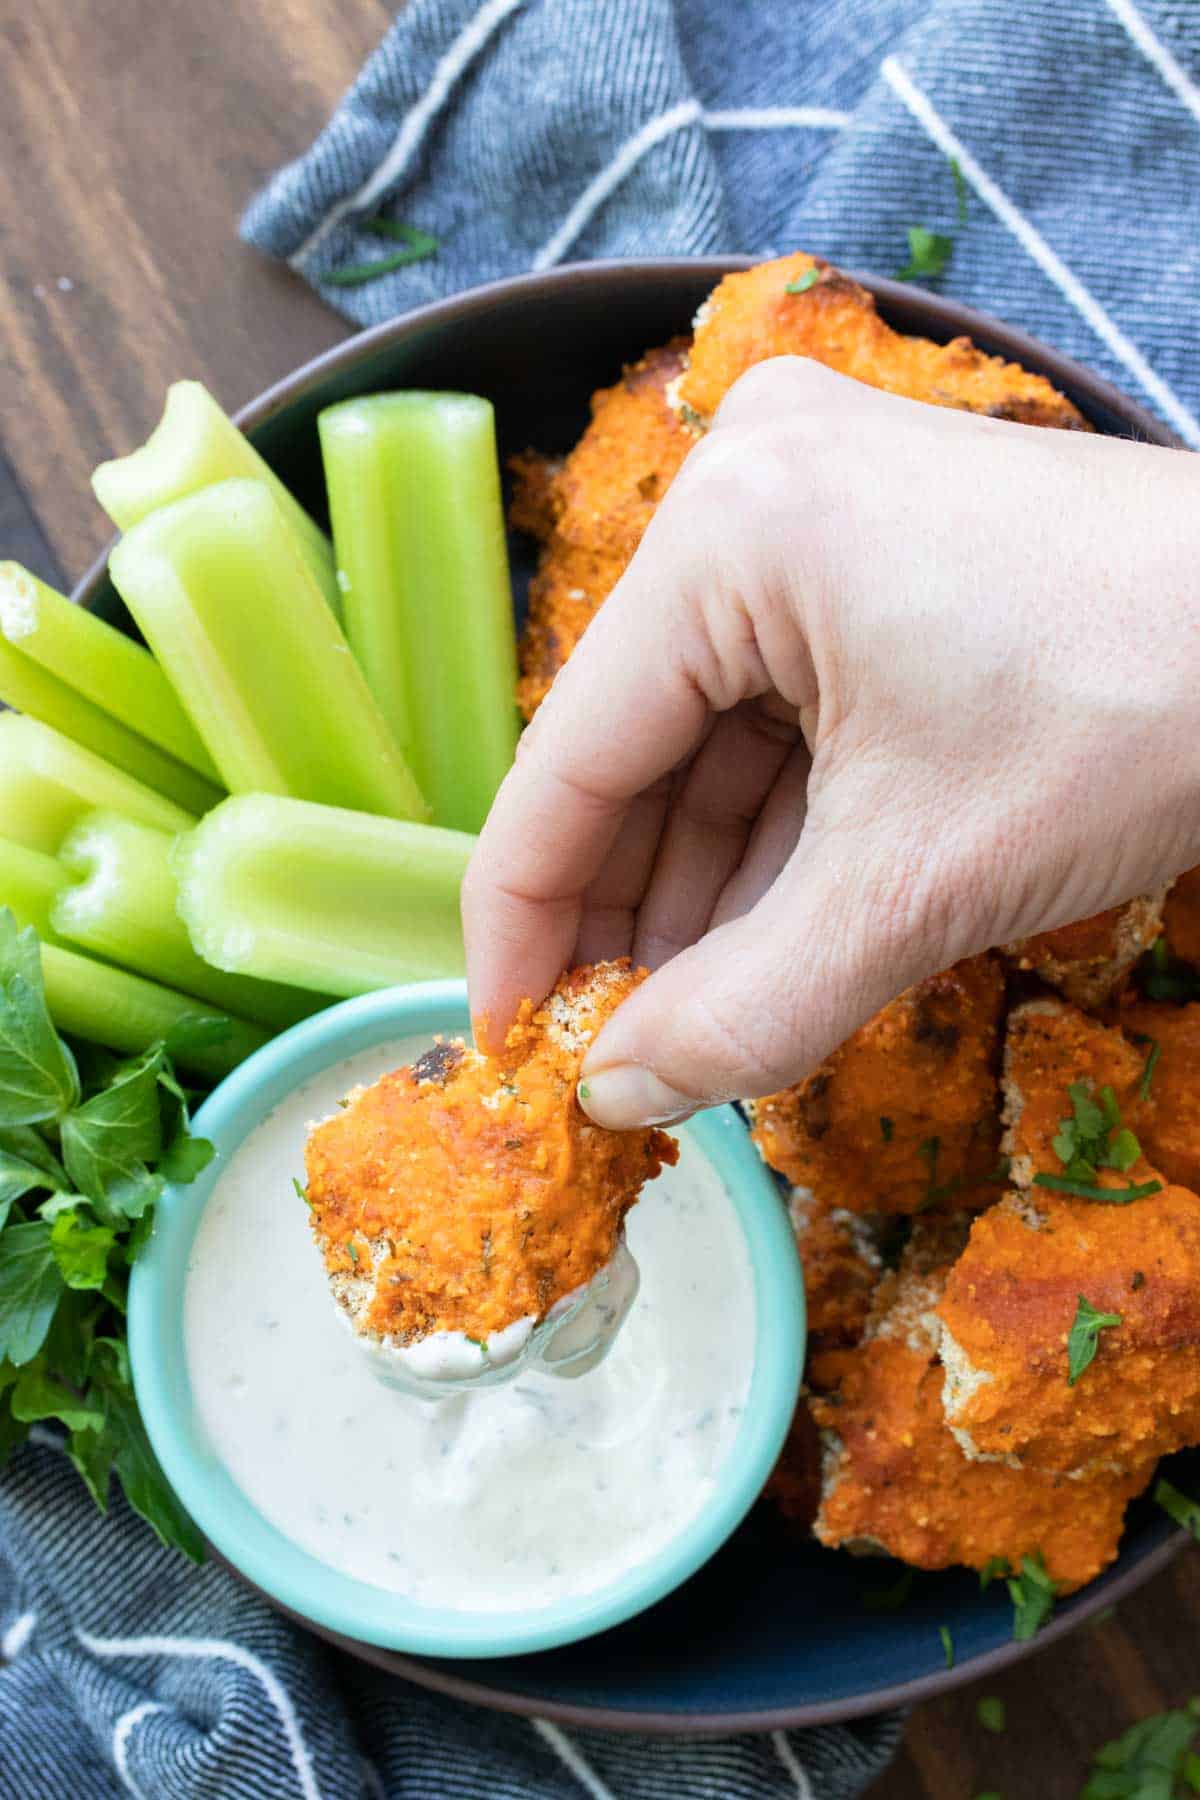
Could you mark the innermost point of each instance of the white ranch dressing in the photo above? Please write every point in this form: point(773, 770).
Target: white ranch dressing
point(503, 1498)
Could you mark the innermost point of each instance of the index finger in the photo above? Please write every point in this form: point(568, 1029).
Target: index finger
point(623, 712)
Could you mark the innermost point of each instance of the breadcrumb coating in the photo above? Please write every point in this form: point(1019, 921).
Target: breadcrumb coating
point(896, 1480)
point(842, 1267)
point(1007, 1313)
point(1048, 1046)
point(590, 512)
point(1169, 1125)
point(1089, 960)
point(467, 1192)
point(751, 316)
point(1181, 917)
point(903, 1115)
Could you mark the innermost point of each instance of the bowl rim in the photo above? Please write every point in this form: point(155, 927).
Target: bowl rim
point(938, 318)
point(295, 1576)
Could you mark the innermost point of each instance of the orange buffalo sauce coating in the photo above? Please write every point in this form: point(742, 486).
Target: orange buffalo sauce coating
point(1088, 960)
point(902, 1116)
point(1169, 1127)
point(842, 1267)
point(901, 1482)
point(1009, 1306)
point(1048, 1047)
point(751, 316)
point(467, 1192)
point(896, 1479)
point(1181, 917)
point(591, 510)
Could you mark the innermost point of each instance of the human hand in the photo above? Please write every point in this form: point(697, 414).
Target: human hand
point(885, 684)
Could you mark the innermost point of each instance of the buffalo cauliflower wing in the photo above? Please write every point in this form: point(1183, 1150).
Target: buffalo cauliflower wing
point(902, 1116)
point(467, 1192)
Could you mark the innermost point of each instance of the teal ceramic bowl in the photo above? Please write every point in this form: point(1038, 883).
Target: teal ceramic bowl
point(295, 1578)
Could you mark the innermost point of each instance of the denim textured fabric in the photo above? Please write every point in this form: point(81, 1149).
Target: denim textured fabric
point(522, 134)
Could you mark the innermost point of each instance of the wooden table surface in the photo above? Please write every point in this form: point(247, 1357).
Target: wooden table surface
point(131, 136)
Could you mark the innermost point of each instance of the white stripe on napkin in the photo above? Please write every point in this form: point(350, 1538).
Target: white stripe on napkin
point(1032, 241)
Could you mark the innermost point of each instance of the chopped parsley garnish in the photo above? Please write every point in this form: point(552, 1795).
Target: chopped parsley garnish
point(301, 1191)
point(479, 1343)
point(1094, 1138)
point(990, 1712)
point(585, 1092)
point(960, 191)
point(1153, 1760)
point(947, 1645)
point(1164, 977)
point(1087, 1190)
point(887, 1129)
point(1032, 1595)
point(1178, 1506)
point(929, 1151)
point(418, 246)
point(1084, 1338)
point(803, 282)
point(1152, 1057)
point(928, 254)
point(994, 1569)
point(352, 1251)
point(930, 251)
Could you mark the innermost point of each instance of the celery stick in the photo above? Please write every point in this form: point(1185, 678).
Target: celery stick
point(193, 445)
point(414, 495)
point(124, 1012)
point(321, 897)
point(43, 696)
point(47, 783)
point(237, 622)
point(29, 881)
point(99, 662)
point(123, 908)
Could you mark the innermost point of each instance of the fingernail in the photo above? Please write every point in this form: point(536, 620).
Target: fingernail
point(628, 1095)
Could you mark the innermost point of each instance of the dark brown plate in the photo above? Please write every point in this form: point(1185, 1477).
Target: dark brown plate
point(771, 1633)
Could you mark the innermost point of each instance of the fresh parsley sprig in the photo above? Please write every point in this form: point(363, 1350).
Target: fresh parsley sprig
point(1092, 1139)
point(1083, 1340)
point(1153, 1760)
point(88, 1141)
point(1032, 1593)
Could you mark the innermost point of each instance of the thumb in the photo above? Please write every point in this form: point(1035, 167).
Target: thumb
point(756, 1004)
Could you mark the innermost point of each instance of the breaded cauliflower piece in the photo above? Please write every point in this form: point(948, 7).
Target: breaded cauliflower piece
point(590, 512)
point(842, 1267)
point(1169, 1125)
point(751, 316)
point(1181, 917)
point(1008, 1310)
point(468, 1192)
point(1089, 960)
point(902, 1116)
point(1048, 1047)
point(895, 1479)
point(1074, 1114)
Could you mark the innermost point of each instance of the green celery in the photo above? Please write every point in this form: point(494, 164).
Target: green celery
point(33, 690)
point(321, 897)
point(237, 622)
point(124, 1012)
point(29, 881)
point(418, 527)
point(123, 908)
point(47, 783)
point(98, 661)
point(194, 445)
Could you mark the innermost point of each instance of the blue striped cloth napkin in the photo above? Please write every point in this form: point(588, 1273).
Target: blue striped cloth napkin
point(520, 134)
